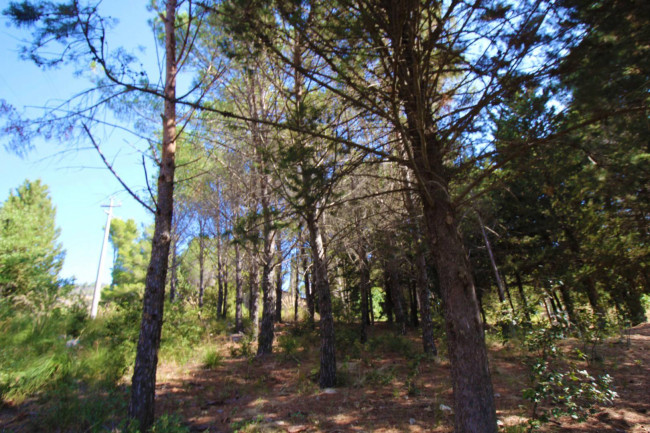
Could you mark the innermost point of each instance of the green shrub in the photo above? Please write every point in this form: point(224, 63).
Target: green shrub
point(289, 346)
point(560, 390)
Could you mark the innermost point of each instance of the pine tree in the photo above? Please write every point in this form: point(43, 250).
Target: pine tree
point(30, 257)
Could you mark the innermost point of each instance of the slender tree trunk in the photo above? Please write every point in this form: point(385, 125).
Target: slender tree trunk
point(551, 317)
point(508, 295)
point(327, 376)
point(388, 299)
point(364, 286)
point(395, 291)
point(568, 304)
point(296, 284)
point(143, 384)
point(174, 279)
point(254, 296)
point(309, 295)
point(219, 277)
point(224, 307)
point(428, 343)
point(522, 295)
point(413, 304)
point(497, 275)
point(556, 308)
point(201, 267)
point(588, 283)
point(278, 280)
point(239, 292)
point(371, 307)
point(635, 311)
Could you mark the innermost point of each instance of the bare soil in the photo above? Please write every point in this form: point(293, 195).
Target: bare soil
point(385, 393)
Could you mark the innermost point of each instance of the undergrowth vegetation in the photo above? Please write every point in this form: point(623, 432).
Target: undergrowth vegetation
point(75, 370)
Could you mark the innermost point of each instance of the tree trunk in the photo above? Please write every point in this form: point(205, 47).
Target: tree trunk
point(371, 307)
point(309, 295)
point(388, 299)
point(508, 295)
point(296, 283)
point(201, 266)
point(413, 304)
point(219, 277)
point(224, 306)
point(174, 279)
point(497, 275)
point(239, 292)
point(522, 295)
point(568, 304)
point(327, 376)
point(254, 296)
point(428, 343)
point(635, 311)
point(265, 338)
point(470, 374)
point(278, 280)
point(364, 286)
point(143, 383)
point(395, 291)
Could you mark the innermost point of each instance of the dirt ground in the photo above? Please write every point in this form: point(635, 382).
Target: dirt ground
point(389, 394)
point(383, 392)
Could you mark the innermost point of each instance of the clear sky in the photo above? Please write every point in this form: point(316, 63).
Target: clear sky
point(79, 184)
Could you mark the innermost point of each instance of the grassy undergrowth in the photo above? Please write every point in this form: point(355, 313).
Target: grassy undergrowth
point(74, 369)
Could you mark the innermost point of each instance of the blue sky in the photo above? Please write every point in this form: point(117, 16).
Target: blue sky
point(79, 184)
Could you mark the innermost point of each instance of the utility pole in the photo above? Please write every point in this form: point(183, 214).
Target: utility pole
point(98, 290)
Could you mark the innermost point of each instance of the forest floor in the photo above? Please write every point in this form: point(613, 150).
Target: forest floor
point(381, 390)
point(384, 392)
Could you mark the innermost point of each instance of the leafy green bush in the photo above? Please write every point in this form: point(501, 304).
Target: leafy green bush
point(557, 390)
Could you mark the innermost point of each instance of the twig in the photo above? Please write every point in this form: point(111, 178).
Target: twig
point(110, 168)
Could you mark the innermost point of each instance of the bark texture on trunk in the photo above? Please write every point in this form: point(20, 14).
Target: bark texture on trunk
point(309, 295)
point(265, 338)
point(220, 278)
point(239, 291)
point(428, 342)
point(254, 296)
point(327, 375)
point(413, 304)
point(473, 395)
point(173, 280)
point(143, 384)
point(278, 280)
point(296, 284)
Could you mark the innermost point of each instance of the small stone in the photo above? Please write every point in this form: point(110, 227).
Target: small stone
point(329, 391)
